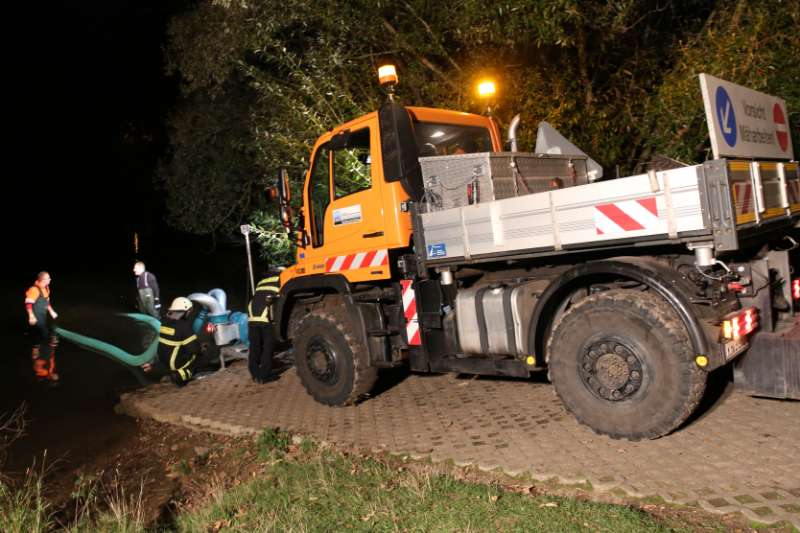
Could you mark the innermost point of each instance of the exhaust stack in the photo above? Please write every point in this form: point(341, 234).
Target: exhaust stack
point(512, 132)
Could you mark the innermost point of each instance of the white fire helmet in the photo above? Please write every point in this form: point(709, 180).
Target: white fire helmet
point(181, 303)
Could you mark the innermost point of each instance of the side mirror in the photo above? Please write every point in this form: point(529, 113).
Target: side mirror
point(399, 149)
point(284, 196)
point(284, 192)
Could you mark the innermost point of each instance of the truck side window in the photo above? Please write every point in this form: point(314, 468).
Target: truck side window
point(352, 165)
point(319, 191)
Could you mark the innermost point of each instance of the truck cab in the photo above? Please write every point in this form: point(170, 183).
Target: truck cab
point(353, 210)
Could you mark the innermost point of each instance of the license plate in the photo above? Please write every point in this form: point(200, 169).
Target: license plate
point(734, 348)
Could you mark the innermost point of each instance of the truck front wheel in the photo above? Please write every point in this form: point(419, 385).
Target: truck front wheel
point(331, 362)
point(622, 362)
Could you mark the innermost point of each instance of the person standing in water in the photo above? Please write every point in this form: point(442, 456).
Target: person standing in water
point(40, 313)
point(148, 296)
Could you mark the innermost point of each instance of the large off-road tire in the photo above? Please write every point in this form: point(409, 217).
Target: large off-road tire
point(622, 362)
point(331, 360)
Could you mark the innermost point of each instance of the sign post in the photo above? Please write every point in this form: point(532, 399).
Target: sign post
point(246, 229)
point(745, 123)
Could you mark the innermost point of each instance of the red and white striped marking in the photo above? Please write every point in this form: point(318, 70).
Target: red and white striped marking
point(629, 215)
point(743, 198)
point(373, 258)
point(781, 131)
point(410, 311)
point(793, 190)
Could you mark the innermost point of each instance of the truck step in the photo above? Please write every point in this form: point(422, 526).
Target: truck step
point(382, 332)
point(481, 366)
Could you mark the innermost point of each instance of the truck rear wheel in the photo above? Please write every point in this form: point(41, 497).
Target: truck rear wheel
point(332, 363)
point(622, 362)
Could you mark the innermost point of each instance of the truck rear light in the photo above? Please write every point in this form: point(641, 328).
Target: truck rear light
point(740, 325)
point(736, 287)
point(796, 289)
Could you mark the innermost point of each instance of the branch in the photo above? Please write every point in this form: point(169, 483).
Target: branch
point(244, 197)
point(12, 427)
point(433, 68)
point(433, 36)
point(637, 21)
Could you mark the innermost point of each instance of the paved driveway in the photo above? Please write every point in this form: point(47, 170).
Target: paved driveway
point(741, 455)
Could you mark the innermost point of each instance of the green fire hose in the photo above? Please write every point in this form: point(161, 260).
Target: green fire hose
point(114, 352)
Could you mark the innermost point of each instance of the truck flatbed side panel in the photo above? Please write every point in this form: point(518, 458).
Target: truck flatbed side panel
point(632, 207)
point(643, 206)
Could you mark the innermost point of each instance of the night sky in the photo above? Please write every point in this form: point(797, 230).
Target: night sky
point(90, 131)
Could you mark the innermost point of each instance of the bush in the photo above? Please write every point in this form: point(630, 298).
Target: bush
point(23, 508)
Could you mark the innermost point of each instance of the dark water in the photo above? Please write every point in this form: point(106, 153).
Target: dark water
point(73, 418)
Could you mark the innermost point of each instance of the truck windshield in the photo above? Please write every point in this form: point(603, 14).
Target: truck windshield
point(449, 139)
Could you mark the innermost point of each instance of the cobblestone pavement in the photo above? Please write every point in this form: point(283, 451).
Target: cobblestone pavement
point(741, 455)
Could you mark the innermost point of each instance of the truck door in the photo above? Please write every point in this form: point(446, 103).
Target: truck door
point(347, 216)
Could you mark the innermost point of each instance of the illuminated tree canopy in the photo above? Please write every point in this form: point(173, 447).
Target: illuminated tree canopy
point(262, 79)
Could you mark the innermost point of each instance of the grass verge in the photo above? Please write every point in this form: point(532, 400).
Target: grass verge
point(279, 483)
point(318, 489)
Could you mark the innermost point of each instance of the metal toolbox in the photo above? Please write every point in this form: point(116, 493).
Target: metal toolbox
point(460, 180)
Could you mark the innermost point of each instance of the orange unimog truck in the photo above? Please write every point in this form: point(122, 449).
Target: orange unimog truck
point(422, 243)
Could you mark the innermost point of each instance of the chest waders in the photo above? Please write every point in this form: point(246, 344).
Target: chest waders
point(40, 311)
point(147, 299)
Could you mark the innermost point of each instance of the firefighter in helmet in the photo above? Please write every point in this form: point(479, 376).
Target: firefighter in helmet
point(178, 347)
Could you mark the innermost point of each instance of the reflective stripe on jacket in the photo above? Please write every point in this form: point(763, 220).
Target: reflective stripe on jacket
point(260, 308)
point(178, 347)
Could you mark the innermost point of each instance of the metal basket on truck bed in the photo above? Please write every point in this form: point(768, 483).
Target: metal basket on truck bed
point(459, 180)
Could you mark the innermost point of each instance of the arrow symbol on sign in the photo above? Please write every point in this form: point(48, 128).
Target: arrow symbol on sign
point(726, 128)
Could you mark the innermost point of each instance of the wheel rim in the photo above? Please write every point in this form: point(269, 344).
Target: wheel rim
point(322, 360)
point(612, 370)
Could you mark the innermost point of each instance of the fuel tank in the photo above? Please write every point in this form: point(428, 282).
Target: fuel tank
point(495, 318)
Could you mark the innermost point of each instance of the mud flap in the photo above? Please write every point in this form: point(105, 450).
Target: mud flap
point(771, 367)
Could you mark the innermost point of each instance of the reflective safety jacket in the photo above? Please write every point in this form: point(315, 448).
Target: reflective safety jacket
point(37, 299)
point(260, 308)
point(178, 347)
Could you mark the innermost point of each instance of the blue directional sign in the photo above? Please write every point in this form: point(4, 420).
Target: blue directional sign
point(743, 123)
point(725, 116)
